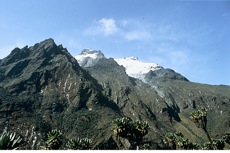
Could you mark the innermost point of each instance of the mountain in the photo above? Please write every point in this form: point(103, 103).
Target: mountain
point(137, 69)
point(166, 94)
point(89, 57)
point(46, 88)
point(133, 66)
point(43, 87)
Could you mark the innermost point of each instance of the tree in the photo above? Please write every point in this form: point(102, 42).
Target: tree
point(170, 141)
point(207, 146)
point(133, 131)
point(218, 144)
point(122, 126)
point(178, 141)
point(200, 119)
point(226, 137)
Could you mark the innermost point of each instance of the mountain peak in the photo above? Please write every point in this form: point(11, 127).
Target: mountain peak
point(136, 68)
point(133, 66)
point(89, 57)
point(44, 45)
point(47, 41)
point(89, 51)
point(17, 54)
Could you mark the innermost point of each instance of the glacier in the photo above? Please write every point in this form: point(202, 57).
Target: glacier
point(133, 66)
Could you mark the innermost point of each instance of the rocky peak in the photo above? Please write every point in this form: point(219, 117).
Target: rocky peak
point(89, 57)
point(44, 48)
point(47, 85)
point(89, 51)
point(164, 74)
point(45, 45)
point(48, 71)
point(28, 64)
point(133, 66)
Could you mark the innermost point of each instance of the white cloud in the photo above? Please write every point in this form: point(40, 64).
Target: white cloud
point(133, 29)
point(126, 29)
point(108, 26)
point(103, 26)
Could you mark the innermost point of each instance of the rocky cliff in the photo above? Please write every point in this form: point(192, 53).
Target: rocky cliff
point(44, 86)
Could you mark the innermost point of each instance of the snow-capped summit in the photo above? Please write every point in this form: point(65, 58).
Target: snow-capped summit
point(137, 69)
point(89, 57)
point(134, 67)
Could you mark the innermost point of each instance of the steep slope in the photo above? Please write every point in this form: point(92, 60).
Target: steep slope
point(166, 94)
point(135, 99)
point(189, 96)
point(134, 77)
point(53, 91)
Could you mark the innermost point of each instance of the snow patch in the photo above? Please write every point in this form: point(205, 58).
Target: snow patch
point(87, 54)
point(136, 68)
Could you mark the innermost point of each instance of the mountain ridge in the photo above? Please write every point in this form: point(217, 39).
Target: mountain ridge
point(44, 86)
point(133, 66)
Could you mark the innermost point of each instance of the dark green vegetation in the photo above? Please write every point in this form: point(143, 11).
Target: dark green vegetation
point(79, 144)
point(53, 141)
point(177, 140)
point(42, 88)
point(9, 141)
point(128, 134)
point(131, 131)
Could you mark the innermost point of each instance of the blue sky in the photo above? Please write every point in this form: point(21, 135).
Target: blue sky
point(191, 37)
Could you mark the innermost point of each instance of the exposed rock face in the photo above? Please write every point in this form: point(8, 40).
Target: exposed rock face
point(89, 57)
point(135, 99)
point(164, 74)
point(52, 88)
point(43, 86)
